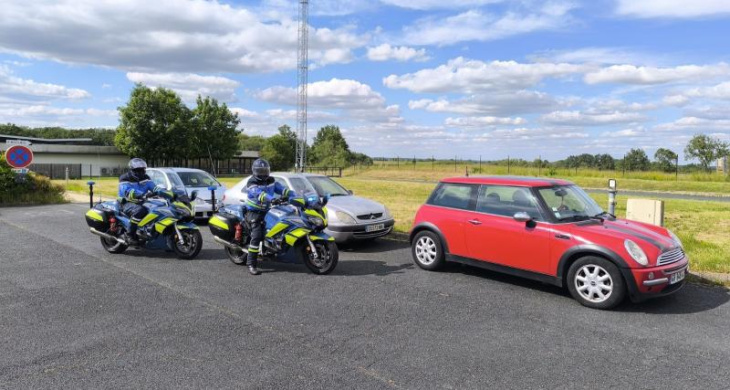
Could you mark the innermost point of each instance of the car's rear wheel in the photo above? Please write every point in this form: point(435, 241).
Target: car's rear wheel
point(427, 250)
point(596, 282)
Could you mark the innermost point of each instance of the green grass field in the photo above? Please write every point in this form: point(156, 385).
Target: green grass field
point(702, 226)
point(694, 183)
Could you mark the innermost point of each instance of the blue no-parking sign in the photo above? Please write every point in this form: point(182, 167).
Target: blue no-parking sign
point(19, 156)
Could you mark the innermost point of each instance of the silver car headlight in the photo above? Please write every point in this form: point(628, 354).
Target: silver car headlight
point(387, 213)
point(345, 218)
point(675, 238)
point(636, 252)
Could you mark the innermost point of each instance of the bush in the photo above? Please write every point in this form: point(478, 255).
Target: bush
point(35, 189)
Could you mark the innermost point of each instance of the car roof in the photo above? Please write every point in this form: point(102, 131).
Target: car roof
point(168, 169)
point(521, 181)
point(292, 174)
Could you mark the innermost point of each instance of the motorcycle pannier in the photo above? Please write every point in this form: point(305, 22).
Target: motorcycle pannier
point(223, 226)
point(98, 219)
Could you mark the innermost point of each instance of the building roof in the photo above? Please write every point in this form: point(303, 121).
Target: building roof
point(521, 181)
point(54, 141)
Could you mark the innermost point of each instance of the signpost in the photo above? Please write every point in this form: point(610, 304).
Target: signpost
point(19, 156)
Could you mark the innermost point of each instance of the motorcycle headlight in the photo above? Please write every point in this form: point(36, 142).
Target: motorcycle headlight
point(675, 238)
point(183, 209)
point(636, 252)
point(345, 218)
point(316, 221)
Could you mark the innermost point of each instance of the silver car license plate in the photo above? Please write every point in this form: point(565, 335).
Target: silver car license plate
point(373, 228)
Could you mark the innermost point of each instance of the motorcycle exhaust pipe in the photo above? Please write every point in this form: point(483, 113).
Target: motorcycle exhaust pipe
point(107, 236)
point(227, 244)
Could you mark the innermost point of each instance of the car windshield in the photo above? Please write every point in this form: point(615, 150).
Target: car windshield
point(324, 185)
point(570, 203)
point(197, 179)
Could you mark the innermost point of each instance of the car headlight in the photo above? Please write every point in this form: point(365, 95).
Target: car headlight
point(345, 218)
point(387, 213)
point(675, 238)
point(636, 252)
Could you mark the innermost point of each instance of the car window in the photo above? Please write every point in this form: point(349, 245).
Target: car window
point(301, 186)
point(324, 185)
point(507, 201)
point(569, 202)
point(197, 179)
point(175, 180)
point(157, 178)
point(457, 196)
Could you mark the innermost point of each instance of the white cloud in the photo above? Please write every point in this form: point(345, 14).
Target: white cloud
point(359, 100)
point(712, 112)
point(476, 25)
point(642, 75)
point(15, 87)
point(675, 100)
point(145, 36)
point(190, 85)
point(483, 121)
point(437, 4)
point(465, 76)
point(577, 118)
point(672, 8)
point(719, 91)
point(595, 55)
point(386, 52)
point(695, 125)
point(491, 104)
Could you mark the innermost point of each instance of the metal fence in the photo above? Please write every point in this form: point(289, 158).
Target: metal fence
point(57, 171)
point(328, 171)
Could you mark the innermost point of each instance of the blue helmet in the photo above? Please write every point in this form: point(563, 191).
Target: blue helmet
point(138, 167)
point(261, 169)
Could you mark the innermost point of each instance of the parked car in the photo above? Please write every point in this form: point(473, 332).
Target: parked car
point(190, 180)
point(550, 231)
point(351, 217)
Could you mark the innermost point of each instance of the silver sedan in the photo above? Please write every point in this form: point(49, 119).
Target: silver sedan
point(350, 217)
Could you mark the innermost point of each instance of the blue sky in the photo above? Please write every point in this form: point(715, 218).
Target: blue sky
point(421, 78)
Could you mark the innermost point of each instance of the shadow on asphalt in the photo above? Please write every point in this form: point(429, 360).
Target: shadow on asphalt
point(375, 246)
point(205, 254)
point(692, 298)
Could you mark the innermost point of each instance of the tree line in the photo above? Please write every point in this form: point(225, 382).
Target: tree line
point(102, 137)
point(156, 125)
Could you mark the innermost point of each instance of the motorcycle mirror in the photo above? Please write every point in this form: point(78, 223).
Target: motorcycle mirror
point(326, 199)
point(194, 195)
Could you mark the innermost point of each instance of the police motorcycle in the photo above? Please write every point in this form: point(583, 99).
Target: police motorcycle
point(168, 225)
point(294, 233)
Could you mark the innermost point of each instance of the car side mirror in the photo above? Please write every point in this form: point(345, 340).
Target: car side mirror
point(194, 195)
point(522, 217)
point(350, 192)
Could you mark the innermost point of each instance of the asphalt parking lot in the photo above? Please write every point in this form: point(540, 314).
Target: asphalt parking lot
point(74, 316)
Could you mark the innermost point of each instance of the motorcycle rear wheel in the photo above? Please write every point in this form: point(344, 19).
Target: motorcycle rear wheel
point(329, 255)
point(113, 246)
point(236, 257)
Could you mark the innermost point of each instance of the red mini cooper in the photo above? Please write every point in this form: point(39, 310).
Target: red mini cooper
point(550, 231)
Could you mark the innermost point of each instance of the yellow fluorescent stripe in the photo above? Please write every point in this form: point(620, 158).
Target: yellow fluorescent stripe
point(93, 214)
point(276, 229)
point(147, 219)
point(162, 225)
point(215, 221)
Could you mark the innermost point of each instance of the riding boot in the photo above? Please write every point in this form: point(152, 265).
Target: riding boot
point(132, 234)
point(253, 262)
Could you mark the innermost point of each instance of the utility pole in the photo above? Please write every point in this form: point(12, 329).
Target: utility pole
point(303, 76)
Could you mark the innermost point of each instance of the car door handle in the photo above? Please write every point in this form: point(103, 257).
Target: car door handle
point(475, 222)
point(562, 236)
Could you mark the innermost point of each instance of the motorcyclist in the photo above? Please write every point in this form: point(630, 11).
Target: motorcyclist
point(260, 189)
point(134, 186)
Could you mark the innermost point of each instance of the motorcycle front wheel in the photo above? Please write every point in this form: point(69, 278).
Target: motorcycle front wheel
point(326, 261)
point(191, 246)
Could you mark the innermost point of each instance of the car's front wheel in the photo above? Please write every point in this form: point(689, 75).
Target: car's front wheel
point(427, 250)
point(596, 282)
